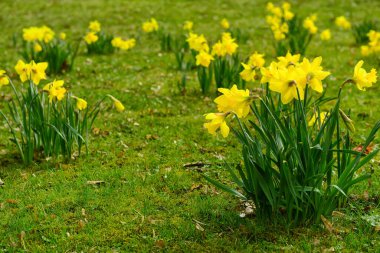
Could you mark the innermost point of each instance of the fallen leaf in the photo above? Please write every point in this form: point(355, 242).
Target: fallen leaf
point(151, 137)
point(337, 214)
point(12, 201)
point(196, 187)
point(327, 223)
point(81, 224)
point(368, 150)
point(195, 164)
point(160, 243)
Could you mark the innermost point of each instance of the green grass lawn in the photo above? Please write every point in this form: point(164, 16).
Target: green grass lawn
point(149, 201)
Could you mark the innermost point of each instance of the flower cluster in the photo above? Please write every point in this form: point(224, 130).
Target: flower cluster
point(92, 36)
point(342, 22)
point(118, 42)
point(373, 45)
point(41, 34)
point(289, 77)
point(278, 19)
point(309, 24)
point(226, 46)
point(197, 42)
point(150, 26)
point(255, 62)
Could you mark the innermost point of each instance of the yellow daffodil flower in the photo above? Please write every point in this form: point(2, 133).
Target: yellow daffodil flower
point(91, 37)
point(365, 50)
point(55, 90)
point(326, 34)
point(248, 74)
point(225, 24)
point(23, 70)
point(361, 78)
point(217, 121)
point(256, 60)
point(62, 36)
point(204, 59)
point(37, 47)
point(342, 22)
point(289, 82)
point(3, 78)
point(150, 26)
point(234, 100)
point(288, 60)
point(94, 26)
point(268, 73)
point(188, 25)
point(309, 24)
point(81, 103)
point(314, 73)
point(118, 105)
point(218, 49)
point(197, 42)
point(37, 71)
point(229, 44)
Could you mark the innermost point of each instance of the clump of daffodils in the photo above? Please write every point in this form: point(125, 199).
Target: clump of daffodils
point(278, 19)
point(150, 26)
point(373, 46)
point(98, 42)
point(41, 44)
point(50, 117)
point(255, 62)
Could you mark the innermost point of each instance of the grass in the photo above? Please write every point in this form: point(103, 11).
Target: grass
point(150, 201)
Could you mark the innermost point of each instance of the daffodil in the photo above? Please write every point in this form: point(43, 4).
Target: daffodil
point(204, 59)
point(365, 50)
point(256, 60)
point(225, 24)
point(37, 47)
point(37, 71)
point(150, 26)
point(217, 121)
point(288, 60)
point(197, 42)
point(91, 37)
point(342, 22)
point(229, 44)
point(118, 105)
point(81, 103)
point(234, 100)
point(23, 70)
point(188, 25)
point(326, 34)
point(248, 73)
point(218, 49)
point(62, 36)
point(268, 73)
point(289, 82)
point(314, 73)
point(3, 78)
point(94, 26)
point(55, 90)
point(309, 24)
point(361, 78)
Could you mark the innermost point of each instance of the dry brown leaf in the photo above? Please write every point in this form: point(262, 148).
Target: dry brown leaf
point(328, 224)
point(160, 243)
point(337, 214)
point(151, 137)
point(196, 187)
point(81, 224)
point(12, 201)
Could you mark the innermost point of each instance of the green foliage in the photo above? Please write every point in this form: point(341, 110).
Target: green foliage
point(293, 168)
point(227, 70)
point(361, 30)
point(102, 46)
point(297, 39)
point(59, 54)
point(43, 129)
